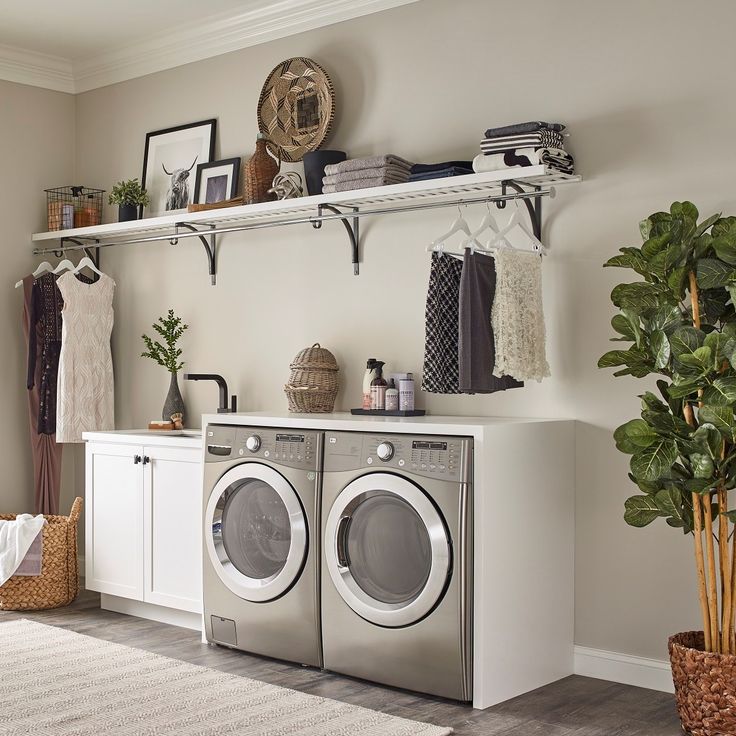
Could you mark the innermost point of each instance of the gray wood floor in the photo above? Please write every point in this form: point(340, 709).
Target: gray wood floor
point(575, 706)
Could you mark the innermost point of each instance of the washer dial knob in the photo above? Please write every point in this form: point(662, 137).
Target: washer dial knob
point(385, 451)
point(253, 443)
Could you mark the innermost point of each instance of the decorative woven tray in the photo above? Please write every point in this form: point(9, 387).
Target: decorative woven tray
point(296, 108)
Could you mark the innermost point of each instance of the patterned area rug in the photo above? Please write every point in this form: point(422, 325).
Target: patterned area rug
point(57, 682)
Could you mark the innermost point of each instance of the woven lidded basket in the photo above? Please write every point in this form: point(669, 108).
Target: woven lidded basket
point(313, 381)
point(58, 583)
point(705, 686)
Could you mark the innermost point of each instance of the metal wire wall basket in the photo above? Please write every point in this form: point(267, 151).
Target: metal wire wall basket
point(70, 207)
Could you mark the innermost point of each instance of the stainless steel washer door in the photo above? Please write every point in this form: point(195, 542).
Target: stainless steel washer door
point(387, 550)
point(255, 532)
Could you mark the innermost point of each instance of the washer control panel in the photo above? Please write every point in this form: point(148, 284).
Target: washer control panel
point(279, 446)
point(432, 457)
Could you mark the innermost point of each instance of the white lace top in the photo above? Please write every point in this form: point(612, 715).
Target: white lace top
point(517, 316)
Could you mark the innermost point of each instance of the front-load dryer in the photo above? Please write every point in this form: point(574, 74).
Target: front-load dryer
point(261, 541)
point(397, 560)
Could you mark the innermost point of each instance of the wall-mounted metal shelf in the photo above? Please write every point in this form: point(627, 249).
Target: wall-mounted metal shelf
point(528, 184)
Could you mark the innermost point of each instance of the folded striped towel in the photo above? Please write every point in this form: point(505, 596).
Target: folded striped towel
point(517, 128)
point(371, 162)
point(540, 139)
point(347, 186)
point(396, 172)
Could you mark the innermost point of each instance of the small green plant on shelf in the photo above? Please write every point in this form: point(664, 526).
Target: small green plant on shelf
point(129, 193)
point(166, 354)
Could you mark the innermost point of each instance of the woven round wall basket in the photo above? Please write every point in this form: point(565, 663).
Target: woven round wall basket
point(705, 686)
point(296, 108)
point(313, 381)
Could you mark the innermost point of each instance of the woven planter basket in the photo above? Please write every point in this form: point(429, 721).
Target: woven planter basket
point(58, 583)
point(313, 382)
point(705, 686)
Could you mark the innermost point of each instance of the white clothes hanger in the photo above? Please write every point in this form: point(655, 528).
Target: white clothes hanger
point(459, 225)
point(487, 223)
point(65, 265)
point(87, 262)
point(515, 221)
point(42, 268)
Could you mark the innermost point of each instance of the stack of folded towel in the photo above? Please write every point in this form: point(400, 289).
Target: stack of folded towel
point(361, 173)
point(422, 172)
point(524, 144)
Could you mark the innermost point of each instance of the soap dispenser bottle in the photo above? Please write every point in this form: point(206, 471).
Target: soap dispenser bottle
point(370, 374)
point(378, 388)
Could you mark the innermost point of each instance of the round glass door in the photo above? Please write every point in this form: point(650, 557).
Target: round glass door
point(387, 549)
point(256, 532)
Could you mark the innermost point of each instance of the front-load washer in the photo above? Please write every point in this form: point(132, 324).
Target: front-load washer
point(261, 549)
point(397, 560)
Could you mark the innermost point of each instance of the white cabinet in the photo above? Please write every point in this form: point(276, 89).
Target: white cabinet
point(143, 523)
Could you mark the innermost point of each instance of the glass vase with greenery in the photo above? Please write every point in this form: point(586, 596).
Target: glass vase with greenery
point(167, 353)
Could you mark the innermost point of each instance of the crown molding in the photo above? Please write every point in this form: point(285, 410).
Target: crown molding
point(35, 69)
point(217, 36)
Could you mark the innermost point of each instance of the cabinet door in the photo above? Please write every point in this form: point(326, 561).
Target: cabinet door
point(114, 520)
point(172, 527)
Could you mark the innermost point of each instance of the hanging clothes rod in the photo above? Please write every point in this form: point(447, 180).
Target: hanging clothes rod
point(311, 219)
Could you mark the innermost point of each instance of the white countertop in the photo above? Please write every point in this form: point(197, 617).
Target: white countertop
point(428, 424)
point(186, 438)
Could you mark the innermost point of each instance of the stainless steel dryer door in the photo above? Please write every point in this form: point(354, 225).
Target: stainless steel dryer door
point(387, 550)
point(255, 532)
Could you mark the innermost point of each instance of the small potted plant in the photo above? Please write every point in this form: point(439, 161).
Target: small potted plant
point(167, 355)
point(129, 196)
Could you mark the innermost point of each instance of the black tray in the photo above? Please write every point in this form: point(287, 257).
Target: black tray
point(387, 413)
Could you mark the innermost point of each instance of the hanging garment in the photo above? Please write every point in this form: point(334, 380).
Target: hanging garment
point(476, 347)
point(44, 347)
point(45, 451)
point(440, 373)
point(517, 317)
point(85, 400)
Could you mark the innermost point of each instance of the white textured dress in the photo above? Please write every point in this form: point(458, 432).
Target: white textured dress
point(85, 392)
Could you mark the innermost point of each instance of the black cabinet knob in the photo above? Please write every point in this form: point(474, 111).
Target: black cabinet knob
point(146, 459)
point(137, 459)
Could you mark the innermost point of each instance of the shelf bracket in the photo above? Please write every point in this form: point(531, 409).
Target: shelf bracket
point(533, 204)
point(352, 226)
point(208, 240)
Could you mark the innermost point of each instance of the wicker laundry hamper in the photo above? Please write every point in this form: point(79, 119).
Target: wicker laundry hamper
point(58, 583)
point(313, 381)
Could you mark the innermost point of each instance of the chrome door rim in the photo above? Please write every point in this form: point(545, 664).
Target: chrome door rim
point(375, 611)
point(258, 589)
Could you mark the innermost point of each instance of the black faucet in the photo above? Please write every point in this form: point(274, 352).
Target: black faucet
point(222, 383)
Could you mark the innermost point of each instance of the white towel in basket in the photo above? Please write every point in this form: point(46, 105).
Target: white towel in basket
point(16, 538)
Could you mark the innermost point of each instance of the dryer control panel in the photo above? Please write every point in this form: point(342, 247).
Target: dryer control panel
point(280, 446)
point(446, 458)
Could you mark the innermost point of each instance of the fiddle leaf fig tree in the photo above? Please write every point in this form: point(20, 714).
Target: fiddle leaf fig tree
point(677, 322)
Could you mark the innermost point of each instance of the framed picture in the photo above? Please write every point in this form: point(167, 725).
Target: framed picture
point(217, 181)
point(169, 163)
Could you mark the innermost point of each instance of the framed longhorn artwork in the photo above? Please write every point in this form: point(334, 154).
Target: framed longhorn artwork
point(170, 162)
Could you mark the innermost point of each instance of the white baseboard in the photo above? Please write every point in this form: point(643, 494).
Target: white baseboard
point(654, 674)
point(151, 611)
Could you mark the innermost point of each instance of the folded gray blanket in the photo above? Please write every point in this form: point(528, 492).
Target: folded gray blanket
point(371, 162)
point(384, 171)
point(347, 186)
point(31, 564)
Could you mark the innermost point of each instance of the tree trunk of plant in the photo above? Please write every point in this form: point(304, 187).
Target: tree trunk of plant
point(723, 640)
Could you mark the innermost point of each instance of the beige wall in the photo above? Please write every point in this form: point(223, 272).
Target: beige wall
point(36, 152)
point(644, 90)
